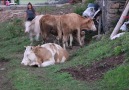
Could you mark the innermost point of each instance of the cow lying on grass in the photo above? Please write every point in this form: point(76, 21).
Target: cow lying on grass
point(33, 28)
point(44, 55)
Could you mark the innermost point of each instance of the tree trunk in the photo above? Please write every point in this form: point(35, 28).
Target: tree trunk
point(121, 20)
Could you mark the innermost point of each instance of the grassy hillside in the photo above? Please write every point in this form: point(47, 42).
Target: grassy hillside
point(13, 40)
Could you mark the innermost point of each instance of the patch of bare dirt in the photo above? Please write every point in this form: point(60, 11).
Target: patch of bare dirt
point(6, 15)
point(10, 14)
point(96, 70)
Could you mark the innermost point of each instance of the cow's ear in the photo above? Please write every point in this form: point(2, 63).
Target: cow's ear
point(88, 20)
point(32, 47)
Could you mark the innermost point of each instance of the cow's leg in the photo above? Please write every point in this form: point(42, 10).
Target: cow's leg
point(64, 41)
point(48, 63)
point(71, 40)
point(67, 44)
point(82, 37)
point(43, 35)
point(31, 38)
point(37, 37)
point(78, 36)
point(59, 37)
point(39, 62)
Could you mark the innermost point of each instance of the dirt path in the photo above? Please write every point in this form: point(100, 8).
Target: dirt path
point(10, 14)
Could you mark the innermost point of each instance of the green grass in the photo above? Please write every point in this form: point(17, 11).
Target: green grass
point(117, 79)
point(81, 8)
point(49, 78)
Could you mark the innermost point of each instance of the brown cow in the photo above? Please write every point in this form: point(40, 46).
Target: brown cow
point(65, 25)
point(71, 22)
point(50, 24)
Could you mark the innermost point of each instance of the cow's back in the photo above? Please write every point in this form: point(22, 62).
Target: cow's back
point(71, 21)
point(60, 54)
point(49, 21)
point(49, 24)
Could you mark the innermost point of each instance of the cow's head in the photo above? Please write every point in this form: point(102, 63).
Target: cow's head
point(29, 57)
point(27, 26)
point(88, 24)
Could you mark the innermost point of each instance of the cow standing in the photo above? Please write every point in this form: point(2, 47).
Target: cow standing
point(65, 25)
point(71, 22)
point(33, 28)
point(50, 24)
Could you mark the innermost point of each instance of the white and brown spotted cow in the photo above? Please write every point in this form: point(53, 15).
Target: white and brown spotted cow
point(44, 55)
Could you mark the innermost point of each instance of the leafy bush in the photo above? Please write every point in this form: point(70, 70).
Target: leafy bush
point(79, 9)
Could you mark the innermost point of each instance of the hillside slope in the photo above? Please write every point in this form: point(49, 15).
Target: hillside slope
point(57, 77)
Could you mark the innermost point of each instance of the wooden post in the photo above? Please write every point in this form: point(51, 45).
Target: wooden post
point(120, 22)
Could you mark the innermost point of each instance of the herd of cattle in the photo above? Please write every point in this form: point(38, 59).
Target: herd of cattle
point(64, 27)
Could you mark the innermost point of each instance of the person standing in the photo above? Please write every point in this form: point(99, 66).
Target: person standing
point(30, 12)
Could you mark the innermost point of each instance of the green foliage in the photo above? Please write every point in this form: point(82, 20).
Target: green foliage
point(11, 29)
point(24, 80)
point(90, 1)
point(12, 38)
point(117, 79)
point(49, 78)
point(81, 8)
point(117, 50)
